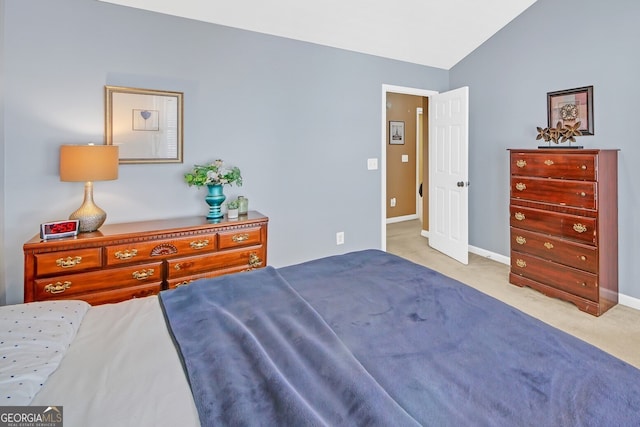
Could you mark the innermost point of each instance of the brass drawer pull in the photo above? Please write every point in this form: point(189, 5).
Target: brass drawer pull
point(200, 244)
point(583, 194)
point(519, 216)
point(548, 245)
point(548, 162)
point(185, 283)
point(583, 167)
point(58, 287)
point(181, 265)
point(521, 263)
point(68, 262)
point(583, 258)
point(126, 254)
point(583, 284)
point(521, 240)
point(237, 238)
point(580, 228)
point(142, 275)
point(254, 260)
point(521, 163)
point(520, 186)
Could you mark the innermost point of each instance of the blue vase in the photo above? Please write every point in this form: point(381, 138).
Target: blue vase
point(214, 198)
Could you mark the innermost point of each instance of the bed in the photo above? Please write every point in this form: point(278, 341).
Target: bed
point(364, 338)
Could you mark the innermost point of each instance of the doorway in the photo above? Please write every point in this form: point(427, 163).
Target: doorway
point(448, 180)
point(390, 89)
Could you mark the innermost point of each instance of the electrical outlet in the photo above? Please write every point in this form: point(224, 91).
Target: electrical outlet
point(340, 238)
point(393, 202)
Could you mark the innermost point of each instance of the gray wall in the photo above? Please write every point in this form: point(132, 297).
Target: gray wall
point(554, 45)
point(300, 120)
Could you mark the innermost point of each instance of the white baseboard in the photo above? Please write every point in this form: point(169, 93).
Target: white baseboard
point(625, 300)
point(395, 219)
point(629, 301)
point(491, 255)
point(479, 251)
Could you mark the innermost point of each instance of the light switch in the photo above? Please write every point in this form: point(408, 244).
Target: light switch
point(372, 164)
point(405, 158)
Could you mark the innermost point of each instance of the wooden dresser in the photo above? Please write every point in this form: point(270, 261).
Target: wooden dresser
point(564, 225)
point(123, 261)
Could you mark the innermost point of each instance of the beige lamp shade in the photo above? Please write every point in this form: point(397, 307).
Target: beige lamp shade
point(88, 162)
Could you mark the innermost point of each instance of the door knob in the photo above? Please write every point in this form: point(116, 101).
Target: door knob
point(460, 184)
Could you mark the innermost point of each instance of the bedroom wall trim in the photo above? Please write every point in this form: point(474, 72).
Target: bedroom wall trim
point(491, 255)
point(402, 218)
point(479, 251)
point(629, 301)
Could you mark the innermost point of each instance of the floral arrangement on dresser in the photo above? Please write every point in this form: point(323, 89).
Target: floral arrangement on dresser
point(213, 173)
point(559, 133)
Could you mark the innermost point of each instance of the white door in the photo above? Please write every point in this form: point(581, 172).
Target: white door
point(449, 173)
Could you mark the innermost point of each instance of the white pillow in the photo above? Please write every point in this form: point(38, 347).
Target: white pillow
point(33, 339)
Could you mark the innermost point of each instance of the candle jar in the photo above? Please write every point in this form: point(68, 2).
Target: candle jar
point(243, 205)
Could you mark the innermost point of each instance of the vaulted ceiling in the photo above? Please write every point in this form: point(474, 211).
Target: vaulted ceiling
point(437, 33)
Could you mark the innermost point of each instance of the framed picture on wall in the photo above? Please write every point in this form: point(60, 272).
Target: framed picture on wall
point(146, 124)
point(571, 106)
point(396, 132)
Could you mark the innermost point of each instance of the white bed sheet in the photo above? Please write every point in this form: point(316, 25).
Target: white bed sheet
point(122, 369)
point(34, 338)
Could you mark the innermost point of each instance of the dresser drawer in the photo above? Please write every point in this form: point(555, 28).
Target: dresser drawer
point(68, 261)
point(244, 258)
point(141, 251)
point(579, 194)
point(242, 237)
point(116, 295)
point(568, 279)
point(577, 228)
point(81, 283)
point(183, 281)
point(549, 165)
point(564, 252)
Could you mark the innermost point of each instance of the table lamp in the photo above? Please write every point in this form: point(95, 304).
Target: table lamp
point(88, 163)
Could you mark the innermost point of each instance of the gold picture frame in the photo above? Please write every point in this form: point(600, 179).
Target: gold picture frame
point(145, 124)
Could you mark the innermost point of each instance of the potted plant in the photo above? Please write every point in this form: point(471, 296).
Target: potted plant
point(232, 208)
point(216, 173)
point(214, 176)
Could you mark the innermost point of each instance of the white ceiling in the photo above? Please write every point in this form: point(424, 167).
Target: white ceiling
point(437, 33)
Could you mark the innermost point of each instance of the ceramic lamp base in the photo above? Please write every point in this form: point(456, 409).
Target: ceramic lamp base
point(90, 217)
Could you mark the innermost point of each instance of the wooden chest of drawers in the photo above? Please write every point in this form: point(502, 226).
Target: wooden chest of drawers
point(564, 225)
point(123, 261)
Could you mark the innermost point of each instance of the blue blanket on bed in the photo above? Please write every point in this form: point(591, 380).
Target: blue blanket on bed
point(368, 338)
